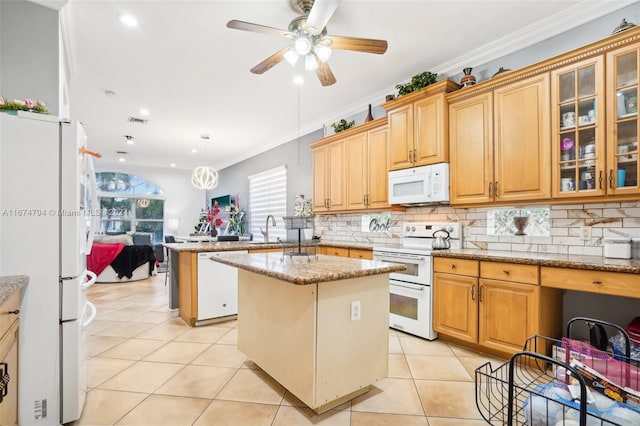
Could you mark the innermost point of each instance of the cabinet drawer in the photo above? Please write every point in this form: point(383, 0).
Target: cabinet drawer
point(6, 319)
point(337, 251)
point(361, 254)
point(613, 283)
point(456, 266)
point(509, 272)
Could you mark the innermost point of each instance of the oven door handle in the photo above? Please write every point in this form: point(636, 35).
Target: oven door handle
point(398, 256)
point(417, 287)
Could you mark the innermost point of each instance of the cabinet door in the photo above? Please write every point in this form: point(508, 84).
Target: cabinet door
point(430, 130)
point(521, 146)
point(9, 355)
point(401, 138)
point(455, 307)
point(320, 178)
point(337, 168)
point(471, 150)
point(377, 194)
point(357, 175)
point(623, 67)
point(578, 124)
point(507, 314)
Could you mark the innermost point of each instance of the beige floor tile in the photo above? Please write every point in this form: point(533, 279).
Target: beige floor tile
point(231, 338)
point(165, 331)
point(250, 364)
point(153, 317)
point(105, 407)
point(101, 369)
point(98, 325)
point(448, 399)
point(178, 352)
point(471, 363)
point(122, 315)
point(160, 410)
point(104, 313)
point(299, 416)
point(443, 421)
point(227, 324)
point(197, 381)
point(252, 386)
point(231, 413)
point(437, 368)
point(291, 400)
point(125, 329)
point(221, 356)
point(394, 344)
point(142, 377)
point(97, 344)
point(398, 366)
point(461, 351)
point(379, 419)
point(393, 396)
point(417, 346)
point(203, 334)
point(134, 349)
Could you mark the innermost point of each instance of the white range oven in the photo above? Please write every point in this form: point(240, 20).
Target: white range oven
point(411, 290)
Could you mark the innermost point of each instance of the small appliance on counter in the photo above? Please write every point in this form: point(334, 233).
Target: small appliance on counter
point(411, 290)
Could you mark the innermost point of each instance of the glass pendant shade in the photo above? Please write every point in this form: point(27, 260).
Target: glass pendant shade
point(291, 56)
point(204, 177)
point(322, 52)
point(310, 63)
point(303, 45)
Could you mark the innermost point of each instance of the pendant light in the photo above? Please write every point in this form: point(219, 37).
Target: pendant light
point(204, 177)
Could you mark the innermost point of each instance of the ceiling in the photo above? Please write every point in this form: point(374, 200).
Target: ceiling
point(191, 72)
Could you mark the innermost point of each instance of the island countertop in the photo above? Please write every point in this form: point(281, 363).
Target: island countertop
point(302, 270)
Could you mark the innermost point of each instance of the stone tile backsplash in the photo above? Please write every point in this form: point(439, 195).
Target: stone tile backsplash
point(607, 220)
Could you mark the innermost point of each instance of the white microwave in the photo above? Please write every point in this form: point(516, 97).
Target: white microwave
point(420, 185)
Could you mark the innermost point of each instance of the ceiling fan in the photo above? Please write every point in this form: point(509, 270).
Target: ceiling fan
point(308, 33)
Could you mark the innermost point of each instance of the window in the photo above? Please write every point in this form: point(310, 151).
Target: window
point(268, 196)
point(130, 203)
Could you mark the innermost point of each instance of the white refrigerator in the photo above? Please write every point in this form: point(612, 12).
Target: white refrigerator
point(47, 189)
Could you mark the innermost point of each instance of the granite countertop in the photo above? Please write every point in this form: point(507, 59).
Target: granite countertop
point(10, 284)
point(252, 245)
point(594, 263)
point(299, 270)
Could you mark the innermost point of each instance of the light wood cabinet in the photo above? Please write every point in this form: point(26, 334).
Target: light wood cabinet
point(350, 169)
point(499, 143)
point(601, 282)
point(418, 127)
point(9, 328)
point(346, 252)
point(493, 306)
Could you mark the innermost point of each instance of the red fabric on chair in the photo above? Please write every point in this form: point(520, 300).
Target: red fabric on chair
point(102, 255)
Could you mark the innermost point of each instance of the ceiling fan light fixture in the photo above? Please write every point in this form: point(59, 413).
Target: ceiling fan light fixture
point(303, 45)
point(322, 52)
point(310, 63)
point(291, 56)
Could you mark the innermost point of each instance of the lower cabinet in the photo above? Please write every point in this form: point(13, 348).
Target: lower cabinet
point(346, 252)
point(493, 306)
point(9, 325)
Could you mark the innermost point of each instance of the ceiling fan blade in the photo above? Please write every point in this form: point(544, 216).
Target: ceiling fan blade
point(367, 45)
point(324, 73)
point(270, 62)
point(319, 15)
point(256, 28)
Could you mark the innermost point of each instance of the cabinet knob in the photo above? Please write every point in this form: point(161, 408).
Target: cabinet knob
point(453, 266)
point(506, 272)
point(596, 282)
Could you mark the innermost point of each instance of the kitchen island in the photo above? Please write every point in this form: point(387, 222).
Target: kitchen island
point(317, 325)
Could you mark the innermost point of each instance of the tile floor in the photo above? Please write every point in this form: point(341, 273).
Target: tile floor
point(147, 367)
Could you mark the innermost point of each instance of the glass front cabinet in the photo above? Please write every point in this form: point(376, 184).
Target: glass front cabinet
point(578, 130)
point(622, 125)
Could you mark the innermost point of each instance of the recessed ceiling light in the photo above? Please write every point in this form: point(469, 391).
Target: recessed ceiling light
point(205, 136)
point(144, 111)
point(109, 93)
point(298, 79)
point(172, 164)
point(128, 20)
point(122, 160)
point(129, 139)
point(193, 150)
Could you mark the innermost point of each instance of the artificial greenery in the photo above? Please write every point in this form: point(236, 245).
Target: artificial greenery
point(23, 105)
point(343, 125)
point(417, 82)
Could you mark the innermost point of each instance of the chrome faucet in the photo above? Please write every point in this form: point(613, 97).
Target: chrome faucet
point(266, 232)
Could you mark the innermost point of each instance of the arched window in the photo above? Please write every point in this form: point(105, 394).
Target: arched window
point(130, 203)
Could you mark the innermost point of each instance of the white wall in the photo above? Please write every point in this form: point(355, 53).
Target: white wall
point(182, 200)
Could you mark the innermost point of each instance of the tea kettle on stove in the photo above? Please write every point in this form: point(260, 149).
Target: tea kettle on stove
point(441, 242)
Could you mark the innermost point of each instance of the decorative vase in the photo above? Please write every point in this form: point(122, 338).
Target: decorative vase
point(467, 79)
point(369, 116)
point(521, 223)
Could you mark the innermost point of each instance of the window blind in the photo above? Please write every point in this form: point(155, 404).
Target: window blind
point(268, 196)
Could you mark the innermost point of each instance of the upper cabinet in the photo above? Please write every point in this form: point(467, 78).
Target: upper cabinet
point(418, 127)
point(350, 169)
point(499, 142)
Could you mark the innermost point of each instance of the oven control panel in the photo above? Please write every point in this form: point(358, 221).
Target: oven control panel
point(427, 229)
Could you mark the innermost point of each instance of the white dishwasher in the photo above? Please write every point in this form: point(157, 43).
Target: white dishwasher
point(217, 287)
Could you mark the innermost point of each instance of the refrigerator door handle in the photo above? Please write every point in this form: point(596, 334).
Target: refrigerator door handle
point(91, 282)
point(92, 316)
point(94, 216)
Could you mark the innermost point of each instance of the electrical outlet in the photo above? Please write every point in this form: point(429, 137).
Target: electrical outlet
point(355, 310)
point(585, 233)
